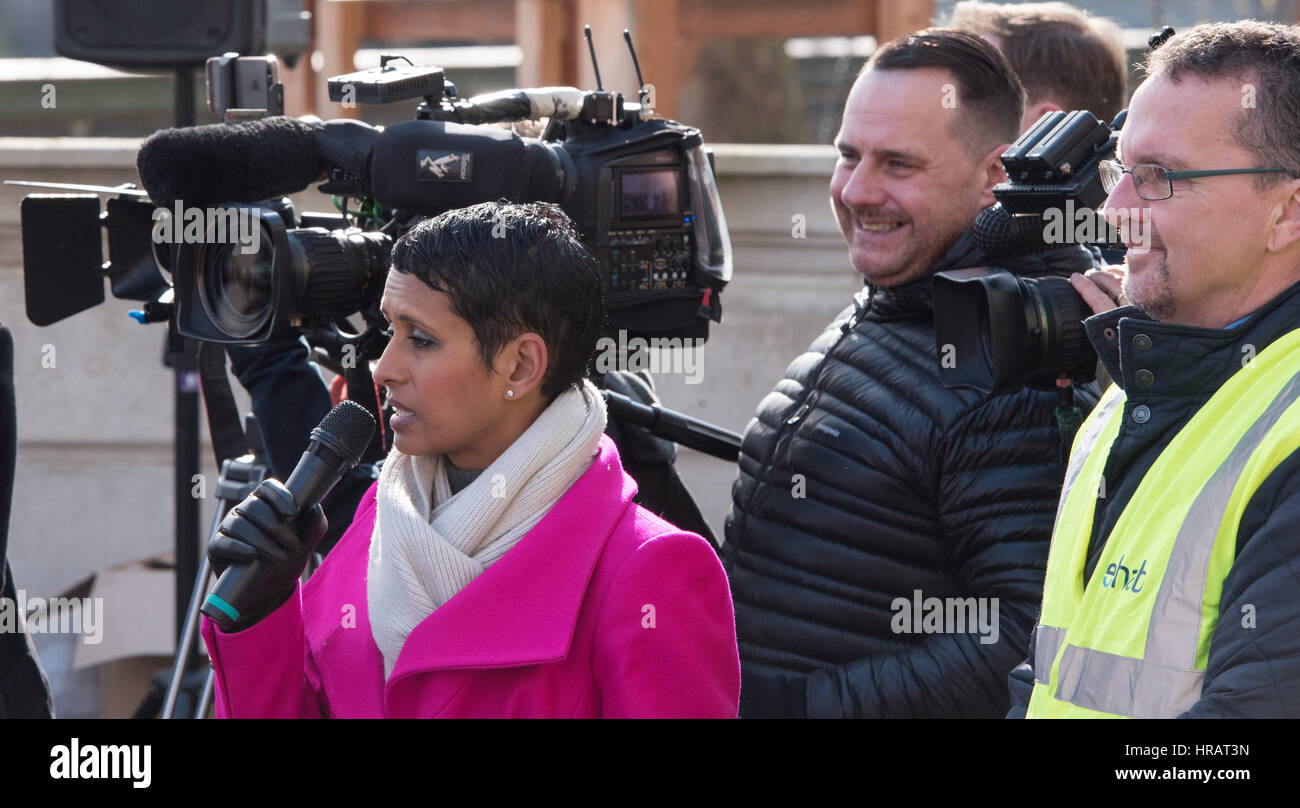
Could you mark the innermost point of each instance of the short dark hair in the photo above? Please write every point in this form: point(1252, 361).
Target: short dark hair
point(1268, 54)
point(987, 88)
point(509, 269)
point(1060, 53)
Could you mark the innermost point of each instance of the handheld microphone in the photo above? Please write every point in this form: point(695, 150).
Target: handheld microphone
point(336, 446)
point(218, 163)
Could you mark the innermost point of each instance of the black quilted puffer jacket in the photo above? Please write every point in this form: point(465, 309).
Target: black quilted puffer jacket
point(863, 479)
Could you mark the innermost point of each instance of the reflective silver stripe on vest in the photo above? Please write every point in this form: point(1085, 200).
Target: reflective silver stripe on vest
point(1123, 685)
point(1087, 444)
point(1165, 683)
point(1047, 641)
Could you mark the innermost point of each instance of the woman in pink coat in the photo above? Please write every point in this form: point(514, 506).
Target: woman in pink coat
point(498, 568)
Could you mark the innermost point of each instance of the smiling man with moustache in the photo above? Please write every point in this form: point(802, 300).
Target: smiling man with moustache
point(1196, 443)
point(862, 479)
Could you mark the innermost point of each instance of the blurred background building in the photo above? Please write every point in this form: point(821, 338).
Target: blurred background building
point(744, 71)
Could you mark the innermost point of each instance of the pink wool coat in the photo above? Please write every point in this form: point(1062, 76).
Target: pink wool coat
point(601, 610)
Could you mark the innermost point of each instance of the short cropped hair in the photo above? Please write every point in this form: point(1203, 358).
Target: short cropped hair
point(1265, 57)
point(510, 269)
point(988, 91)
point(1061, 53)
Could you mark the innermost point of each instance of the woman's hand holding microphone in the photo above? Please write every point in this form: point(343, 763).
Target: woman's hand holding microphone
point(262, 546)
point(272, 539)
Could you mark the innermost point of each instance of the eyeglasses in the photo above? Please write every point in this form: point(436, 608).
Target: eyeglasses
point(1155, 182)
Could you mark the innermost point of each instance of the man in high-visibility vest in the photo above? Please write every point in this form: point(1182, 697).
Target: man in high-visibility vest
point(1173, 580)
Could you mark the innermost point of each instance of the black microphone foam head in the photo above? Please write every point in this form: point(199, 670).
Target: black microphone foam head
point(1000, 235)
point(992, 231)
point(242, 162)
point(348, 429)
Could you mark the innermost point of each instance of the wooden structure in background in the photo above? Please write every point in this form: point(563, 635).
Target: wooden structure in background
point(668, 35)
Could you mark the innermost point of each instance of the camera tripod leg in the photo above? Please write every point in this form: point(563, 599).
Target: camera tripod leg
point(205, 695)
point(191, 619)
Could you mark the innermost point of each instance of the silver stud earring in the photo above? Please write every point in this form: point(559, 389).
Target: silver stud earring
point(510, 394)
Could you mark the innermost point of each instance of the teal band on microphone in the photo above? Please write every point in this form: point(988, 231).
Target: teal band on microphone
point(223, 606)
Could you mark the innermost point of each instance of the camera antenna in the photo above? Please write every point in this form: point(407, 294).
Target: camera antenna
point(641, 91)
point(586, 29)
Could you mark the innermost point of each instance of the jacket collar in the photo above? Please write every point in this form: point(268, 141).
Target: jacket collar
point(1148, 358)
point(916, 297)
point(524, 608)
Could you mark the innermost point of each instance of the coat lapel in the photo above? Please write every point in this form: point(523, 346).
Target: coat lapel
point(523, 609)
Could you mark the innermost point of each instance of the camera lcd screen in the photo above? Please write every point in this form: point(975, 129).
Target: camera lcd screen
point(649, 194)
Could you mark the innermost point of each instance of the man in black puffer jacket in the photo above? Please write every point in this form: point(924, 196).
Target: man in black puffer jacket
point(863, 481)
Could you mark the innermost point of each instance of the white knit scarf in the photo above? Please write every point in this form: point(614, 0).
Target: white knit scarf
point(429, 544)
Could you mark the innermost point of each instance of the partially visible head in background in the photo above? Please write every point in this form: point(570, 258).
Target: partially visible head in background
point(1066, 58)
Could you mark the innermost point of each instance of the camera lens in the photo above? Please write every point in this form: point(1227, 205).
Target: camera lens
point(1058, 342)
point(246, 280)
point(236, 288)
point(998, 332)
point(296, 279)
point(338, 271)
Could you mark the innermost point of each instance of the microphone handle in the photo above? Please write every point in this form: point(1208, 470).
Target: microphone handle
point(236, 585)
point(315, 476)
point(311, 480)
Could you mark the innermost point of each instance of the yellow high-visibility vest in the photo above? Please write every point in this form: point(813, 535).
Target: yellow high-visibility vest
point(1135, 640)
